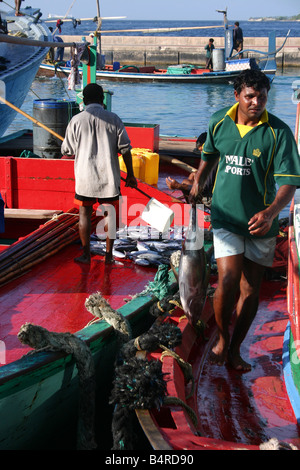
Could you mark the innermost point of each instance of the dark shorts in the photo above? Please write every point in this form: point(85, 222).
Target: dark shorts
point(90, 201)
point(85, 201)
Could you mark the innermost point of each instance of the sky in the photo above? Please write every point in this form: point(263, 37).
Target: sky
point(167, 9)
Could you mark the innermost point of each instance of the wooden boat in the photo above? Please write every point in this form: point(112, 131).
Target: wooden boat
point(19, 62)
point(131, 73)
point(41, 393)
point(218, 408)
point(226, 68)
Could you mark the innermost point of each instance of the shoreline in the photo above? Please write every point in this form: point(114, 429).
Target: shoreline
point(165, 50)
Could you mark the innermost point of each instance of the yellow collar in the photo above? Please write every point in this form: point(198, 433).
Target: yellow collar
point(233, 110)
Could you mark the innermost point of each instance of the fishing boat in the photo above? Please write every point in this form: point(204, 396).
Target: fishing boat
point(227, 66)
point(131, 73)
point(19, 62)
point(217, 408)
point(43, 394)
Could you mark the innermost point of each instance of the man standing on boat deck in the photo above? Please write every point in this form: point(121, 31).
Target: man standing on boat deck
point(18, 5)
point(96, 136)
point(238, 39)
point(254, 151)
point(209, 50)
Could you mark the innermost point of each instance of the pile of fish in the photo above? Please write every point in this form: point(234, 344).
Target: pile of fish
point(144, 248)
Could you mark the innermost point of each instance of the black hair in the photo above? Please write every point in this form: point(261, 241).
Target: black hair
point(201, 139)
point(253, 78)
point(93, 93)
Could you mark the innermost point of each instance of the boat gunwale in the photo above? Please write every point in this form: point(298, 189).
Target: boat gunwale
point(91, 334)
point(146, 418)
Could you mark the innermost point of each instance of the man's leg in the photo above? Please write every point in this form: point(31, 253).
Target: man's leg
point(229, 275)
point(85, 213)
point(111, 217)
point(246, 309)
point(17, 5)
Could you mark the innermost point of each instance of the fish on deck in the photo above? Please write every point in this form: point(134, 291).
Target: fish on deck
point(193, 271)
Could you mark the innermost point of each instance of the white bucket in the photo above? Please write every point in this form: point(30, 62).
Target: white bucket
point(218, 60)
point(158, 215)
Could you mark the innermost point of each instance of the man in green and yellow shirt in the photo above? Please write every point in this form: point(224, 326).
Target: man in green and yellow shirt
point(256, 153)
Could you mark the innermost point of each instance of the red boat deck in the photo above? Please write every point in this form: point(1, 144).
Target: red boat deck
point(53, 293)
point(235, 410)
point(225, 394)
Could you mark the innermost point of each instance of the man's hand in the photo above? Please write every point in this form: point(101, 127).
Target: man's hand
point(195, 195)
point(131, 181)
point(260, 223)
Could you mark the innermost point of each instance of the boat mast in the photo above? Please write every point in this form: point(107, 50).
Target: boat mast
point(98, 33)
point(225, 17)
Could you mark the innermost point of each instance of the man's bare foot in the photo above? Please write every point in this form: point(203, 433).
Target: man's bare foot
point(83, 259)
point(218, 355)
point(236, 362)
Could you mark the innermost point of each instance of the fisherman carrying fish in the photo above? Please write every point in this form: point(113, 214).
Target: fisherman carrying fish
point(96, 136)
point(255, 153)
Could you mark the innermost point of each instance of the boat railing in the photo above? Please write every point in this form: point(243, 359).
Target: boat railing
point(293, 291)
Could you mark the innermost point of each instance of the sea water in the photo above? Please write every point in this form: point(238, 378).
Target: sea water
point(180, 109)
point(214, 29)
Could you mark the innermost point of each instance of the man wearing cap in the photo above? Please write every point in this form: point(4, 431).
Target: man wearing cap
point(96, 136)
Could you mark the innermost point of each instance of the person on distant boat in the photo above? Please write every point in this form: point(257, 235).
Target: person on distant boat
point(238, 39)
point(58, 54)
point(209, 48)
point(186, 185)
point(18, 6)
point(96, 136)
point(59, 24)
point(256, 152)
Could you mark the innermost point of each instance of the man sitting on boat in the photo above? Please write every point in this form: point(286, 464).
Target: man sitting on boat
point(255, 151)
point(186, 184)
point(96, 136)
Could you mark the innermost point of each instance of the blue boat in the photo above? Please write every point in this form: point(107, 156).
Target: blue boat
point(21, 53)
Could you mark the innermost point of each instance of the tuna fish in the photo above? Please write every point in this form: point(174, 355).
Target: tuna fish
point(193, 272)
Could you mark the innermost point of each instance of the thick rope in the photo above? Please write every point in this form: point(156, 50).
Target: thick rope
point(274, 444)
point(39, 338)
point(176, 401)
point(100, 308)
point(184, 366)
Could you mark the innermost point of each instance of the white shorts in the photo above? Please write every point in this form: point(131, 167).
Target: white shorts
point(259, 250)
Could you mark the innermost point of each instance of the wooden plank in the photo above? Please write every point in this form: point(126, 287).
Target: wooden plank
point(29, 213)
point(155, 438)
